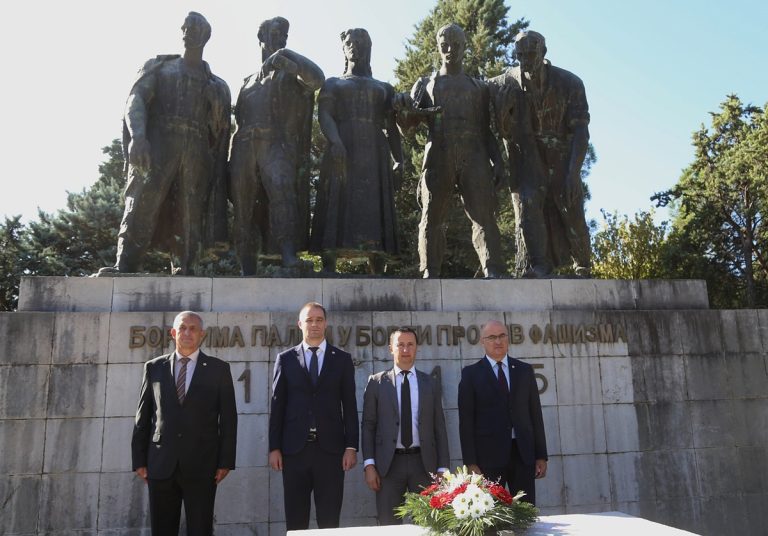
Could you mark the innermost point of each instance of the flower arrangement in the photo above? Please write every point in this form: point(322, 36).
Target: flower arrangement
point(466, 504)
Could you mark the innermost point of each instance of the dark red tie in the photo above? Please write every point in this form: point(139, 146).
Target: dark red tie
point(502, 379)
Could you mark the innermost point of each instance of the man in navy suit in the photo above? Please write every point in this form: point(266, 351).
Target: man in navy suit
point(500, 423)
point(185, 433)
point(313, 426)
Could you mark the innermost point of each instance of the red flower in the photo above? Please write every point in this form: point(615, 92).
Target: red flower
point(439, 501)
point(500, 493)
point(429, 490)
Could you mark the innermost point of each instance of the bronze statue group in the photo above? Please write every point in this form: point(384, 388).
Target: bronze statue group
point(184, 166)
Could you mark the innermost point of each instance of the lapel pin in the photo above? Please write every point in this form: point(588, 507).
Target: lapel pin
point(205, 364)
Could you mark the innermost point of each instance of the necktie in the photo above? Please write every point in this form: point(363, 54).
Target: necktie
point(406, 433)
point(313, 371)
point(181, 380)
point(502, 380)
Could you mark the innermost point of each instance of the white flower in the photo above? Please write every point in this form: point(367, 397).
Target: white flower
point(476, 510)
point(461, 505)
point(474, 492)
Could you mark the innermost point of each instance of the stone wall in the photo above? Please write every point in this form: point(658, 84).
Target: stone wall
point(663, 415)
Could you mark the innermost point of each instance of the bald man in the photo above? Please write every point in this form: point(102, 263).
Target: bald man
point(500, 423)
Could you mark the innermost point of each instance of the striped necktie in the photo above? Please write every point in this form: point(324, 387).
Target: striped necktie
point(181, 381)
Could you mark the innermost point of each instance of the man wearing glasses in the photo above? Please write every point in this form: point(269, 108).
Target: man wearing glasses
point(500, 423)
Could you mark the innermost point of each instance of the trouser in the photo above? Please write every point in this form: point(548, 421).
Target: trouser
point(166, 497)
point(177, 158)
point(469, 168)
point(545, 216)
point(258, 164)
point(516, 475)
point(406, 473)
point(312, 470)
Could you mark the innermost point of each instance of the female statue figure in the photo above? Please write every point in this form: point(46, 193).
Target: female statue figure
point(355, 210)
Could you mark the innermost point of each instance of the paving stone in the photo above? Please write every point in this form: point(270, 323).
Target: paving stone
point(239, 484)
point(578, 381)
point(727, 515)
point(718, 423)
point(38, 293)
point(700, 332)
point(586, 480)
point(753, 469)
point(138, 337)
point(753, 413)
point(550, 491)
point(552, 429)
point(616, 380)
point(621, 427)
point(578, 294)
point(81, 514)
point(73, 445)
point(680, 512)
point(741, 331)
point(527, 330)
point(659, 378)
point(582, 429)
point(747, 374)
point(116, 454)
point(23, 391)
point(19, 504)
point(162, 294)
point(81, 338)
point(381, 294)
point(123, 502)
point(454, 443)
point(258, 294)
point(544, 372)
point(259, 379)
point(672, 294)
point(496, 295)
point(238, 337)
point(669, 425)
point(21, 444)
point(615, 294)
point(252, 440)
point(651, 333)
point(26, 338)
point(631, 477)
point(674, 473)
point(569, 326)
point(242, 529)
point(123, 389)
point(707, 377)
point(77, 391)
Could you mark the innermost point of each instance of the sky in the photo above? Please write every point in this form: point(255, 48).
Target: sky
point(653, 70)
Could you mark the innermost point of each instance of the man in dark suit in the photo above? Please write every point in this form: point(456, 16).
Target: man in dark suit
point(404, 436)
point(185, 434)
point(500, 423)
point(313, 427)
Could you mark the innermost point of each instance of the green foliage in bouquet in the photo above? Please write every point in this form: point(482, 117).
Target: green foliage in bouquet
point(466, 504)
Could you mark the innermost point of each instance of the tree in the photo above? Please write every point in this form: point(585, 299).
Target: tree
point(723, 195)
point(629, 249)
point(11, 270)
point(490, 43)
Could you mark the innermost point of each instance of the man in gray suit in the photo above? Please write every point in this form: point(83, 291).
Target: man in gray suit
point(403, 431)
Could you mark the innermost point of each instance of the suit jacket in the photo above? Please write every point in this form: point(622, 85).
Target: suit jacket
point(200, 435)
point(486, 419)
point(295, 401)
point(381, 422)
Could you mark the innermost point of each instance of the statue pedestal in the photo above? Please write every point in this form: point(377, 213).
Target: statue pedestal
point(647, 394)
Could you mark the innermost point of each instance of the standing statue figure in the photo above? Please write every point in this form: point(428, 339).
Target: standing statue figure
point(270, 161)
point(176, 136)
point(355, 201)
point(458, 156)
point(543, 116)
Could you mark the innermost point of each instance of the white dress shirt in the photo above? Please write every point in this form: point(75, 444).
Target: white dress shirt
point(190, 367)
point(320, 355)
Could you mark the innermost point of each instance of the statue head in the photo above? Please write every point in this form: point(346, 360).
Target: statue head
point(451, 43)
point(196, 30)
point(273, 34)
point(356, 44)
point(530, 49)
